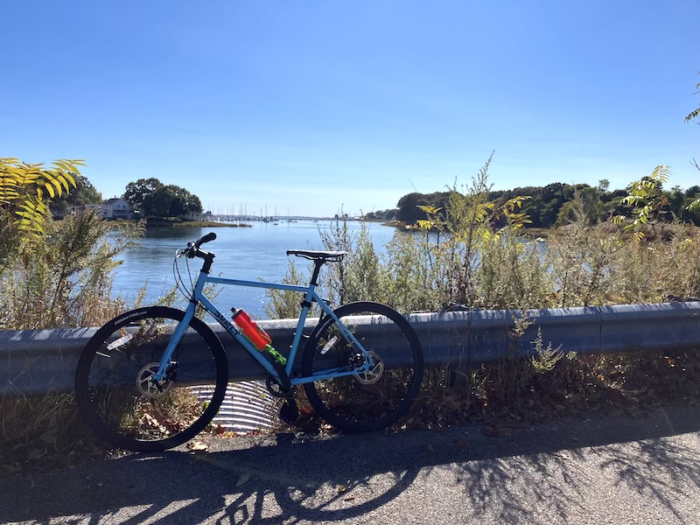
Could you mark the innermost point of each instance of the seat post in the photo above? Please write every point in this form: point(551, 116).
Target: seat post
point(317, 268)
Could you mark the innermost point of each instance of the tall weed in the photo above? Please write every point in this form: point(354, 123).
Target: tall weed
point(64, 281)
point(473, 253)
point(285, 304)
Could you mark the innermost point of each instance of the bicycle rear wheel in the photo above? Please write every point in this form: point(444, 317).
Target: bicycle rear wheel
point(371, 401)
point(119, 401)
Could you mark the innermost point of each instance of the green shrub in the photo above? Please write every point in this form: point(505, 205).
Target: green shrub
point(65, 280)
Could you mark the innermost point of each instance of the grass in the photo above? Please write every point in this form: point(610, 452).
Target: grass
point(518, 391)
point(43, 432)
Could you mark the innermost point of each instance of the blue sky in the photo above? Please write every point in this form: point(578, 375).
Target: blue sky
point(308, 106)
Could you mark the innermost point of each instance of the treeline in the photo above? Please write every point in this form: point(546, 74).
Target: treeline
point(149, 197)
point(385, 215)
point(153, 198)
point(553, 205)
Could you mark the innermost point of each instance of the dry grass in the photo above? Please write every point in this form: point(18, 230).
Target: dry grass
point(43, 432)
point(518, 391)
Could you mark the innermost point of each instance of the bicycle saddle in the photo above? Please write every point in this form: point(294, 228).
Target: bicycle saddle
point(318, 255)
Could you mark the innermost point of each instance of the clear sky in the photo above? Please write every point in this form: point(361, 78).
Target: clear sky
point(308, 106)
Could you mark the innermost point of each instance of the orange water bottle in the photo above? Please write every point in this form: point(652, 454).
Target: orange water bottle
point(251, 330)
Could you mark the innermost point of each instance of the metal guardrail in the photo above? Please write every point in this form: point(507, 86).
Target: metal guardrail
point(33, 362)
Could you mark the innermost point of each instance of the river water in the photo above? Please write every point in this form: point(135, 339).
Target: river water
point(250, 254)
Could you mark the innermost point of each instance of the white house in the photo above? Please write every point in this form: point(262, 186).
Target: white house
point(115, 208)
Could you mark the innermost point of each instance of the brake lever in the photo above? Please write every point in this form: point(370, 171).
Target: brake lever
point(184, 251)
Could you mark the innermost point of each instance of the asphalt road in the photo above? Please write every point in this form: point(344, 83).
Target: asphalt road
point(597, 471)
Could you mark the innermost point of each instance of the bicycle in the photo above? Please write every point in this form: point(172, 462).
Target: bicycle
point(155, 377)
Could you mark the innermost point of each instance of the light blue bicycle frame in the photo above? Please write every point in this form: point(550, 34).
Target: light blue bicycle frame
point(310, 296)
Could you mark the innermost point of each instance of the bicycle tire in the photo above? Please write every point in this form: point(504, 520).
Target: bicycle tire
point(122, 355)
point(350, 403)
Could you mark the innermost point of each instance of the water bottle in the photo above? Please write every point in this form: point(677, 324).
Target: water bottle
point(256, 335)
point(251, 330)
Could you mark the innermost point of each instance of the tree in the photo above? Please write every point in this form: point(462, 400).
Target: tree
point(84, 193)
point(153, 198)
point(409, 210)
point(648, 200)
point(552, 200)
point(183, 202)
point(142, 194)
point(585, 207)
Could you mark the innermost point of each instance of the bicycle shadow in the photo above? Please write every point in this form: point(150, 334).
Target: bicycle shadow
point(284, 479)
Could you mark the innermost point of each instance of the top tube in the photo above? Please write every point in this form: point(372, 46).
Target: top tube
point(258, 284)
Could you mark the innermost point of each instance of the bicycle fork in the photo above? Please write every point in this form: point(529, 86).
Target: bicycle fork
point(166, 359)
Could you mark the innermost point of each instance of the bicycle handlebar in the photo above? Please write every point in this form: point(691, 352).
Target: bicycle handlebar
point(193, 250)
point(207, 238)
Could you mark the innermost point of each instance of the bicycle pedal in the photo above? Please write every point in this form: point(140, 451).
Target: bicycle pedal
point(289, 412)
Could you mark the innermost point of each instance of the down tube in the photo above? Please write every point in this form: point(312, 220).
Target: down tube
point(257, 355)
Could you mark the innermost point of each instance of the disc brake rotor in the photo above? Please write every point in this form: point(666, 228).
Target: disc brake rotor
point(375, 373)
point(149, 388)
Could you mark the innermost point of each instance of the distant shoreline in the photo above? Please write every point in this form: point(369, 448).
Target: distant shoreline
point(198, 224)
point(155, 223)
point(533, 233)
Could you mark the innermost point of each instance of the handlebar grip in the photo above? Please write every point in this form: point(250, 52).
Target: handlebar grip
point(207, 238)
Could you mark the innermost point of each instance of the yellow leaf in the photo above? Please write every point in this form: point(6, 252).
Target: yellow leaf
point(70, 179)
point(432, 210)
point(57, 184)
point(63, 182)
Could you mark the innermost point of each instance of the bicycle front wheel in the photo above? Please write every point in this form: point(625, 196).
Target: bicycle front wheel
point(117, 397)
point(370, 401)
